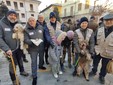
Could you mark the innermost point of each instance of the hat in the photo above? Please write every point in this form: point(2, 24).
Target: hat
point(83, 19)
point(108, 16)
point(60, 35)
point(70, 34)
point(11, 11)
point(52, 14)
point(92, 17)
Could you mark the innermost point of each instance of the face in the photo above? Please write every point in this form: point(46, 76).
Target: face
point(12, 18)
point(53, 19)
point(84, 25)
point(40, 18)
point(32, 22)
point(108, 23)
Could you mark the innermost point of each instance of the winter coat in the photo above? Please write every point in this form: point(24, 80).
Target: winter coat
point(6, 40)
point(31, 33)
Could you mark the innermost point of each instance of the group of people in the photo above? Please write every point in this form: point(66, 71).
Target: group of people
point(54, 40)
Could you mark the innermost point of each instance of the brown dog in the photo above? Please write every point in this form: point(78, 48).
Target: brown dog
point(84, 61)
point(18, 34)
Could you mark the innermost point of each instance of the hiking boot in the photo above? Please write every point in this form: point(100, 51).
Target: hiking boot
point(34, 82)
point(102, 80)
point(24, 73)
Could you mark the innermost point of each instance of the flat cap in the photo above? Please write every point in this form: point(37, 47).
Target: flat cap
point(108, 16)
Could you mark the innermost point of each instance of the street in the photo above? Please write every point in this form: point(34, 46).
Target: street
point(46, 78)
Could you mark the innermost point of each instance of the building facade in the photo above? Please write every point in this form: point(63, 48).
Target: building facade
point(24, 8)
point(75, 9)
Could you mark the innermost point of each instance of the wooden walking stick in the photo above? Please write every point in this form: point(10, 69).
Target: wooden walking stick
point(13, 64)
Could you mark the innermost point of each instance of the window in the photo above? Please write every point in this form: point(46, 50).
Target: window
point(87, 4)
point(17, 15)
point(79, 6)
point(16, 5)
point(71, 10)
point(64, 12)
point(8, 3)
point(31, 7)
point(21, 4)
point(32, 15)
point(23, 15)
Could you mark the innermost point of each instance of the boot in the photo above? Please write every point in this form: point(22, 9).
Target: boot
point(102, 80)
point(24, 73)
point(74, 72)
point(34, 82)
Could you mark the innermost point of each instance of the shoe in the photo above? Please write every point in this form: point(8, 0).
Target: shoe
point(15, 83)
point(102, 80)
point(42, 68)
point(75, 71)
point(60, 72)
point(34, 82)
point(92, 73)
point(24, 73)
point(25, 60)
point(55, 75)
point(70, 66)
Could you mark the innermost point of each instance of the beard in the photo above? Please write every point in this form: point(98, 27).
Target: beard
point(12, 20)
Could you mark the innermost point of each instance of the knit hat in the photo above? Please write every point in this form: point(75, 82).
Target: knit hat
point(60, 35)
point(70, 34)
point(11, 11)
point(52, 14)
point(92, 17)
point(83, 19)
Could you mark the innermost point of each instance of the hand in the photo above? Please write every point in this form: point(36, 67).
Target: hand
point(81, 55)
point(52, 46)
point(9, 53)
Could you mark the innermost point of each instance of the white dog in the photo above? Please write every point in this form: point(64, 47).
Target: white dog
point(18, 34)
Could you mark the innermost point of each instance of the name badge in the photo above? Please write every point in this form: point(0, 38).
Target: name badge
point(40, 31)
point(7, 29)
point(31, 33)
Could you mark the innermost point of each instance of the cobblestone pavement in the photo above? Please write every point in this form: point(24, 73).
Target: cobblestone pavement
point(46, 78)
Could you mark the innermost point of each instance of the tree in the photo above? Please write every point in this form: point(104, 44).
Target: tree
point(57, 13)
point(3, 9)
point(98, 10)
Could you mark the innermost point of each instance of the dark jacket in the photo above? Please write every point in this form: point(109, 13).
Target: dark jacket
point(66, 42)
point(31, 33)
point(6, 31)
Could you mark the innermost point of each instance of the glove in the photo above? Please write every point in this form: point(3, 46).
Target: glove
point(52, 45)
point(81, 55)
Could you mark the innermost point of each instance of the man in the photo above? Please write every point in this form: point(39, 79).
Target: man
point(33, 37)
point(83, 34)
point(103, 47)
point(9, 45)
point(41, 22)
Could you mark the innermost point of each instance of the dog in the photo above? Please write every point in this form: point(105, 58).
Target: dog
point(19, 35)
point(84, 61)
